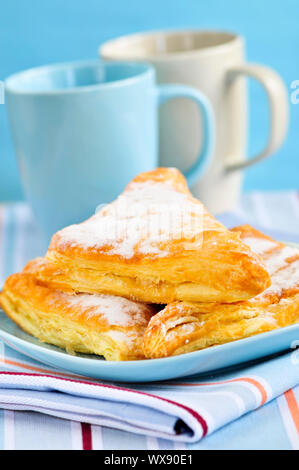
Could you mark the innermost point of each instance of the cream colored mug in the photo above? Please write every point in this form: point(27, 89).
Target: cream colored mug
point(214, 62)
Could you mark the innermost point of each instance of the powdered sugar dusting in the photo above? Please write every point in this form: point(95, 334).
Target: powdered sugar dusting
point(282, 265)
point(284, 279)
point(259, 245)
point(142, 220)
point(121, 337)
point(269, 318)
point(117, 311)
point(187, 328)
point(279, 259)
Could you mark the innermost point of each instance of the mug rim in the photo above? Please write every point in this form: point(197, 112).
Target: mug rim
point(108, 46)
point(144, 68)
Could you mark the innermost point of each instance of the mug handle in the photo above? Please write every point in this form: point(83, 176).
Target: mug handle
point(168, 92)
point(279, 109)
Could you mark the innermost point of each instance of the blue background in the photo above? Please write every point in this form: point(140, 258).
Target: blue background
point(35, 32)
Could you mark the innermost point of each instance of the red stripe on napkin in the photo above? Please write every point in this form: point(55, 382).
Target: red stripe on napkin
point(86, 436)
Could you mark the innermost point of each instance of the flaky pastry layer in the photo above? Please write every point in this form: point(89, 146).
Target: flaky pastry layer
point(92, 324)
point(184, 327)
point(156, 243)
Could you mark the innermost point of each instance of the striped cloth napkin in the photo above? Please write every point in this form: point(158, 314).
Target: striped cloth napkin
point(186, 410)
point(76, 412)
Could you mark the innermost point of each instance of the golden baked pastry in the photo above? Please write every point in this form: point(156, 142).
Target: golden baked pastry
point(184, 327)
point(156, 243)
point(105, 325)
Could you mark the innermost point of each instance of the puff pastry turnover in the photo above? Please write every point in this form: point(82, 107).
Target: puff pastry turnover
point(105, 325)
point(184, 327)
point(158, 244)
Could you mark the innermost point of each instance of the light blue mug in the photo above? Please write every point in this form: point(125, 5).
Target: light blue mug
point(83, 130)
